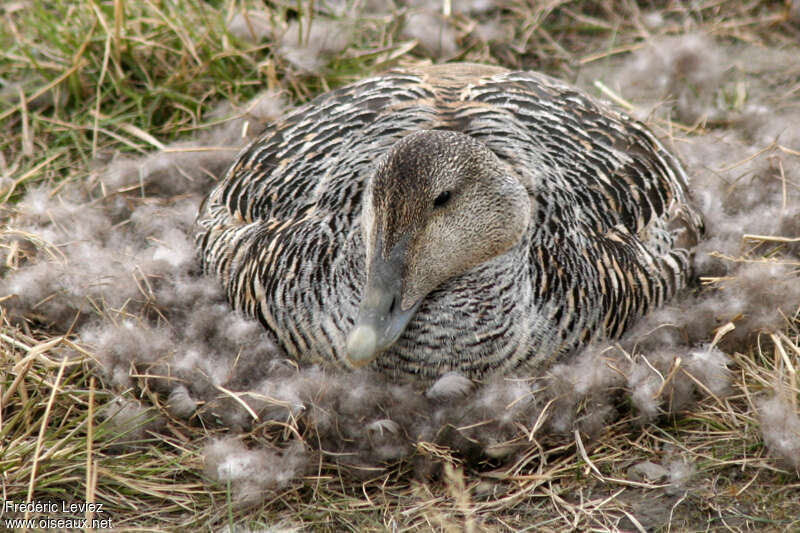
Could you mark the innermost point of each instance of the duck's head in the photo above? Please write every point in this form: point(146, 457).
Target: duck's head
point(439, 204)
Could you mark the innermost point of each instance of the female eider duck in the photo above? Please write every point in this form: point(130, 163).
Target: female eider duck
point(450, 218)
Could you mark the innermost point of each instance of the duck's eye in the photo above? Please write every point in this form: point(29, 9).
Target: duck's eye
point(441, 199)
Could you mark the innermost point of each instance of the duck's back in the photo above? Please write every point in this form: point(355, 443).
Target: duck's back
point(282, 229)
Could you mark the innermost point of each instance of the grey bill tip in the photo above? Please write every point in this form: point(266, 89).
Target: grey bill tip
point(362, 345)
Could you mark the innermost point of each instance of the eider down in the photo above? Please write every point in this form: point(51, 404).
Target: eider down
point(449, 218)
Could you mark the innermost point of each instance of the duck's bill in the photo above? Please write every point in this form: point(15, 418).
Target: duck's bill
point(375, 331)
point(381, 318)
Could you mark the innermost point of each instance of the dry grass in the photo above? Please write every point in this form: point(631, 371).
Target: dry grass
point(82, 81)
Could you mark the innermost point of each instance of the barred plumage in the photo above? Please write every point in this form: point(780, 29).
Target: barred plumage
point(352, 184)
